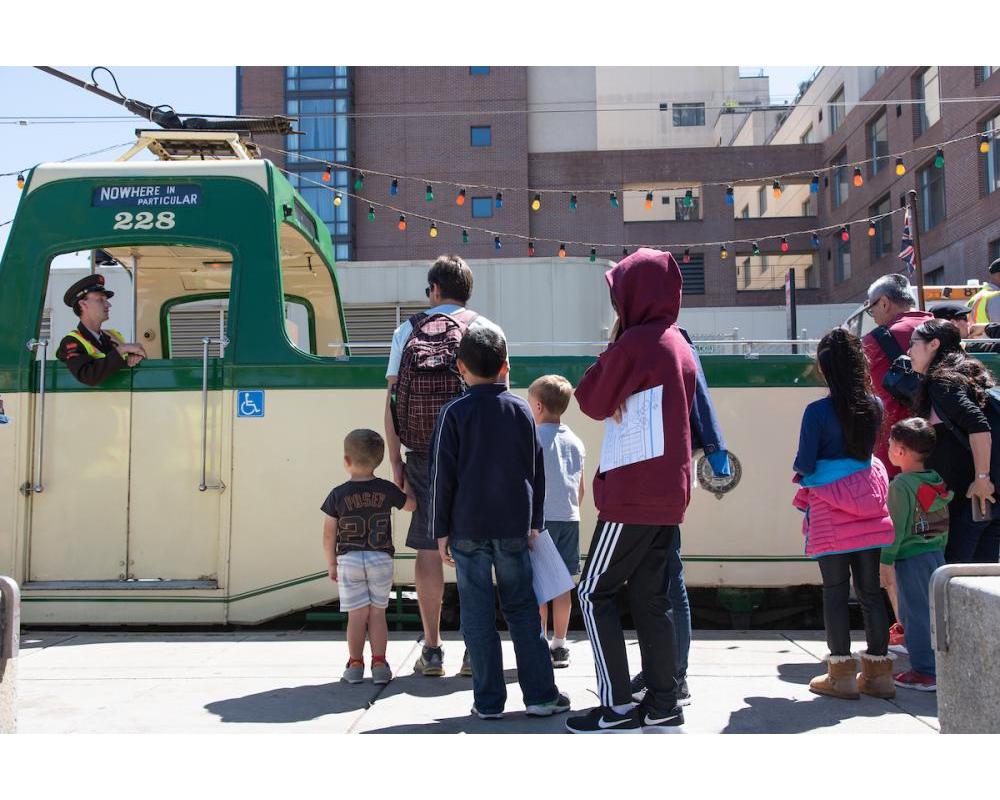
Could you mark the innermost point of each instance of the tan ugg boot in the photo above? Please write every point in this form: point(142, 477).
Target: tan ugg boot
point(840, 680)
point(875, 678)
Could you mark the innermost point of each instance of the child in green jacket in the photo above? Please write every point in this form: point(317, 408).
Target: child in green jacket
point(918, 505)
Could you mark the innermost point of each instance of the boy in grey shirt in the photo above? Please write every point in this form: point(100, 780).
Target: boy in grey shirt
point(564, 453)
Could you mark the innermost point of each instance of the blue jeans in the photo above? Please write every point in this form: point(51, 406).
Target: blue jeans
point(970, 542)
point(475, 562)
point(680, 610)
point(913, 580)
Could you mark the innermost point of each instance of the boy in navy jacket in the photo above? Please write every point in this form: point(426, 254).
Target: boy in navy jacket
point(487, 492)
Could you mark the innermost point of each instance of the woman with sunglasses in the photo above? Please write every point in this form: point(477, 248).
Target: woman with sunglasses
point(953, 398)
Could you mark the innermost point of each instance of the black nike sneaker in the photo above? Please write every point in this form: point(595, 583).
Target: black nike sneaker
point(605, 720)
point(647, 717)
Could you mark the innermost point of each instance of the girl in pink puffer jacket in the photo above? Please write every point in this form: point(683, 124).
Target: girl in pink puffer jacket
point(843, 492)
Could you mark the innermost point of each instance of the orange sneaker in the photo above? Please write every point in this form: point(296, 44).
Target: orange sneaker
point(897, 639)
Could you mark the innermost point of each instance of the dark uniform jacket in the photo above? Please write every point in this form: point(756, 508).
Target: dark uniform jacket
point(89, 369)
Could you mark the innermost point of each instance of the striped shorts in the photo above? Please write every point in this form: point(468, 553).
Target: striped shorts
point(364, 578)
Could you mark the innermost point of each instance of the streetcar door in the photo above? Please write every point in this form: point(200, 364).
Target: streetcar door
point(181, 422)
point(78, 481)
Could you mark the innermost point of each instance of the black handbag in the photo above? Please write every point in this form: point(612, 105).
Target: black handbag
point(901, 382)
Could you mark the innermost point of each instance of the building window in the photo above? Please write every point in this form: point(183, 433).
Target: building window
point(747, 274)
point(983, 73)
point(843, 265)
point(838, 110)
point(809, 207)
point(693, 274)
point(481, 136)
point(839, 181)
point(935, 277)
point(991, 160)
point(930, 182)
point(925, 89)
point(482, 207)
point(479, 70)
point(689, 114)
point(745, 212)
point(879, 72)
point(882, 240)
point(320, 98)
point(687, 213)
point(761, 201)
point(807, 137)
point(994, 247)
point(878, 143)
point(767, 273)
point(315, 79)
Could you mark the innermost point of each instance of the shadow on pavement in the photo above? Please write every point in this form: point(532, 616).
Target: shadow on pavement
point(785, 715)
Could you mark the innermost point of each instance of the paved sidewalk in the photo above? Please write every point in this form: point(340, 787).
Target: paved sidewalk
point(277, 681)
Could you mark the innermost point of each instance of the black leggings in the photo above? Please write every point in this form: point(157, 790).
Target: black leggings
point(837, 571)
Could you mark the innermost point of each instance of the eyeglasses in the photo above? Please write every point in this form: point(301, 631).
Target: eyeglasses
point(427, 292)
point(870, 308)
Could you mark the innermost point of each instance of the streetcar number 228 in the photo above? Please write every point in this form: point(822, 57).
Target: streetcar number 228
point(144, 221)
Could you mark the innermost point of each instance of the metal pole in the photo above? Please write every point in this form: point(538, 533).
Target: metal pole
point(204, 413)
point(135, 298)
point(918, 260)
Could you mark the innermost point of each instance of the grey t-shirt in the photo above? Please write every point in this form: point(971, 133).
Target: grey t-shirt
point(564, 454)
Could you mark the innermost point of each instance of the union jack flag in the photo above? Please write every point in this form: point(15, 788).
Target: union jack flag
point(907, 254)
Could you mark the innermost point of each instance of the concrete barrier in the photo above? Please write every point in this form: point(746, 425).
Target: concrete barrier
point(965, 616)
point(10, 638)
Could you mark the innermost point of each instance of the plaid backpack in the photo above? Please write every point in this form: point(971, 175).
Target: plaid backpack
point(428, 375)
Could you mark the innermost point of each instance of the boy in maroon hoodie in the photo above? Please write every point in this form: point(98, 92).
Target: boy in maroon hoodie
point(640, 505)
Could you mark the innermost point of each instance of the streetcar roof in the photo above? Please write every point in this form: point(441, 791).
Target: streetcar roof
point(254, 171)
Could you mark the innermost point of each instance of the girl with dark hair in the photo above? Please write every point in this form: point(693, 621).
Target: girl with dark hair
point(953, 399)
point(843, 492)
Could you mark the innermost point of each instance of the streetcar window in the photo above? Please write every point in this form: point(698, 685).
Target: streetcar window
point(312, 310)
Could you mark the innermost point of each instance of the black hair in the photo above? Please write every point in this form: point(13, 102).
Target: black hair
point(951, 366)
point(845, 369)
point(483, 351)
point(915, 434)
point(453, 277)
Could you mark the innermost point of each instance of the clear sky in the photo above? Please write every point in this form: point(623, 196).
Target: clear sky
point(26, 92)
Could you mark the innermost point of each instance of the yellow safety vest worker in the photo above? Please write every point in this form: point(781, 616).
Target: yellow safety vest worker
point(92, 351)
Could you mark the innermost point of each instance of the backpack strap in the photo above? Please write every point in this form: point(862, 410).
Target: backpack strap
point(887, 342)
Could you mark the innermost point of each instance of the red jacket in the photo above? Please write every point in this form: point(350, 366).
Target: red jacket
point(649, 351)
point(901, 327)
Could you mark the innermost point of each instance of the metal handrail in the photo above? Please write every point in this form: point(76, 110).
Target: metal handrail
point(939, 595)
point(222, 341)
point(740, 342)
point(33, 345)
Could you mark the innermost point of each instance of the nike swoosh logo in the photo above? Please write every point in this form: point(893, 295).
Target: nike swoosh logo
point(602, 723)
point(657, 721)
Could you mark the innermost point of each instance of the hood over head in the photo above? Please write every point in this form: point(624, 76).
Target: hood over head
point(646, 287)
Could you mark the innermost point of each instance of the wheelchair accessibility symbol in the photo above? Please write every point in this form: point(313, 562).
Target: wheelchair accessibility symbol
point(250, 403)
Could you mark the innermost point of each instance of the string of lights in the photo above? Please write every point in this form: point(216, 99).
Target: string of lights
point(404, 217)
point(20, 172)
point(776, 181)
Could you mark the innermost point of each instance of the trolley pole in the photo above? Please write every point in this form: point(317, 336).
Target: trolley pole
point(918, 260)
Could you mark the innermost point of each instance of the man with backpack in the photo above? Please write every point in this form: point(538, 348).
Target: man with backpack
point(423, 375)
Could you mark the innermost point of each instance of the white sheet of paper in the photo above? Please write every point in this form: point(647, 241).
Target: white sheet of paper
point(549, 576)
point(639, 436)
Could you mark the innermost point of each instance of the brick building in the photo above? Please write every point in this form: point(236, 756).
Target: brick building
point(672, 130)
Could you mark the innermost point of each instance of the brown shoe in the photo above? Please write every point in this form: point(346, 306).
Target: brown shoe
point(840, 679)
point(875, 678)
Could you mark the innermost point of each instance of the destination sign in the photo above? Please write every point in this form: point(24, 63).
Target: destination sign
point(151, 195)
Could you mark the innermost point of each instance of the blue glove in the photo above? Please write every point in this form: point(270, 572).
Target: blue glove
point(719, 461)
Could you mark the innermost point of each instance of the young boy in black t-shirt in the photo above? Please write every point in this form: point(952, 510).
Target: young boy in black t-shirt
point(357, 540)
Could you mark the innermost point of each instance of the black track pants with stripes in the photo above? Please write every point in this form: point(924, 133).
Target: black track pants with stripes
point(634, 556)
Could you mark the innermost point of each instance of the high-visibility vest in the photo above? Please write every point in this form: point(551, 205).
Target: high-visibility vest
point(92, 351)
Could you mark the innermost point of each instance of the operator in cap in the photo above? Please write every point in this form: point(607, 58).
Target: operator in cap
point(958, 314)
point(92, 354)
point(985, 304)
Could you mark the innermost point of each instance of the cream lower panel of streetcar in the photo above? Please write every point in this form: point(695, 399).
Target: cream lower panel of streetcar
point(174, 529)
point(78, 523)
point(15, 466)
